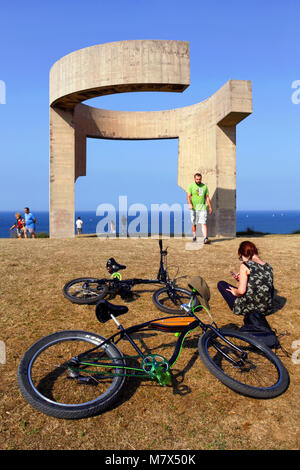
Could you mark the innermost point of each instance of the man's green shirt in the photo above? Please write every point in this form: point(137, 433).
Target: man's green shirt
point(199, 193)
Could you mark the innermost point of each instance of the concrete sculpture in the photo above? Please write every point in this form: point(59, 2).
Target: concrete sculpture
point(206, 131)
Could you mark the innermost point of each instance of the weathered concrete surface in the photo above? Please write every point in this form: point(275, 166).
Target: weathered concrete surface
point(142, 65)
point(206, 131)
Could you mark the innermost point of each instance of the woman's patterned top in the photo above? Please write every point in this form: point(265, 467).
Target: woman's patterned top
point(259, 294)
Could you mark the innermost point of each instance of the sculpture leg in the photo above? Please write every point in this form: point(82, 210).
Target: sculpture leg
point(226, 181)
point(62, 172)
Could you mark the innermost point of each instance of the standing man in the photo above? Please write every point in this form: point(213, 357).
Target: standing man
point(79, 224)
point(198, 198)
point(30, 222)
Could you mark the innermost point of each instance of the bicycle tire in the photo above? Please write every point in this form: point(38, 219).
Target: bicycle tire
point(262, 375)
point(168, 303)
point(45, 382)
point(84, 293)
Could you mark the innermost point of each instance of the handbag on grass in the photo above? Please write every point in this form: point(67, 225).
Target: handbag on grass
point(256, 324)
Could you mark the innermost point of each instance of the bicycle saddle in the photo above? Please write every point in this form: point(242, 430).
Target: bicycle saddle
point(105, 308)
point(112, 266)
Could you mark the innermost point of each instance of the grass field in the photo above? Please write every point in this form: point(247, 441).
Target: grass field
point(197, 411)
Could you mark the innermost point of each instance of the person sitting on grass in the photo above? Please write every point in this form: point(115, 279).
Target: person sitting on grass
point(255, 284)
point(253, 298)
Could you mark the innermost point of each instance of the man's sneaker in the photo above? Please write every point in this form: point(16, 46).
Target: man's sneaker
point(205, 241)
point(194, 239)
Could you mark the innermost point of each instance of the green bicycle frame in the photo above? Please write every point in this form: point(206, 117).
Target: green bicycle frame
point(151, 367)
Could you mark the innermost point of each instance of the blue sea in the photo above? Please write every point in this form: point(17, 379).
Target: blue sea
point(281, 222)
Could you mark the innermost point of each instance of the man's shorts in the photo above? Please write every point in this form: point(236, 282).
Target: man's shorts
point(30, 229)
point(198, 217)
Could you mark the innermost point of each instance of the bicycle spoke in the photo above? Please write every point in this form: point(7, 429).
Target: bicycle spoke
point(170, 300)
point(257, 370)
point(55, 380)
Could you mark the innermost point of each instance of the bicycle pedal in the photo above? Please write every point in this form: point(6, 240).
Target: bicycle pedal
point(84, 380)
point(72, 374)
point(164, 378)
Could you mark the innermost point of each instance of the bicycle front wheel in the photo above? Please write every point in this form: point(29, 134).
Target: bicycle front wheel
point(85, 290)
point(55, 385)
point(169, 300)
point(253, 370)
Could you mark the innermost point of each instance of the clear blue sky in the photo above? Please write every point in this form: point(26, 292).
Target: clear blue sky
point(233, 39)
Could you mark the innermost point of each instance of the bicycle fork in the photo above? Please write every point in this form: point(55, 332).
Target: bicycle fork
point(236, 349)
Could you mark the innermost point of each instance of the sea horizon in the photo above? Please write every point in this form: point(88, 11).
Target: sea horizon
point(266, 221)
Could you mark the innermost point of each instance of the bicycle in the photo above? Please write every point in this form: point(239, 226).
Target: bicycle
point(78, 374)
point(87, 290)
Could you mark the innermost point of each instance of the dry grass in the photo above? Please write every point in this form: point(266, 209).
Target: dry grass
point(198, 412)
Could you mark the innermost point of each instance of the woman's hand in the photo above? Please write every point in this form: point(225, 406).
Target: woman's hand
point(233, 290)
point(243, 281)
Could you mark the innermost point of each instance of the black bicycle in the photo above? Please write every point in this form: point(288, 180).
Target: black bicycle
point(87, 290)
point(78, 374)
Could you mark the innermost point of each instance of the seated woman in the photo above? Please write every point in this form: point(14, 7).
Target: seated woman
point(255, 289)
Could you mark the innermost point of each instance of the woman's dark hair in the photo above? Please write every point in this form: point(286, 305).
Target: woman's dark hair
point(247, 249)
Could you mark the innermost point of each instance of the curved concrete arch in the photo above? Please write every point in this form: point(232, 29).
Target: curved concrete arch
point(116, 67)
point(206, 130)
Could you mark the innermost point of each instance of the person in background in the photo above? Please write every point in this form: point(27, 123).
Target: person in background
point(198, 198)
point(30, 222)
point(112, 226)
point(255, 289)
point(19, 226)
point(124, 224)
point(79, 224)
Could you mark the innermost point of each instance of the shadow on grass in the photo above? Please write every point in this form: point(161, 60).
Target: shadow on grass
point(177, 375)
point(251, 233)
point(218, 240)
point(278, 302)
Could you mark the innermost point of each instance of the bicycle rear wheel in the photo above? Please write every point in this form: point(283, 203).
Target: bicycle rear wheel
point(63, 389)
point(85, 290)
point(169, 300)
point(256, 371)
